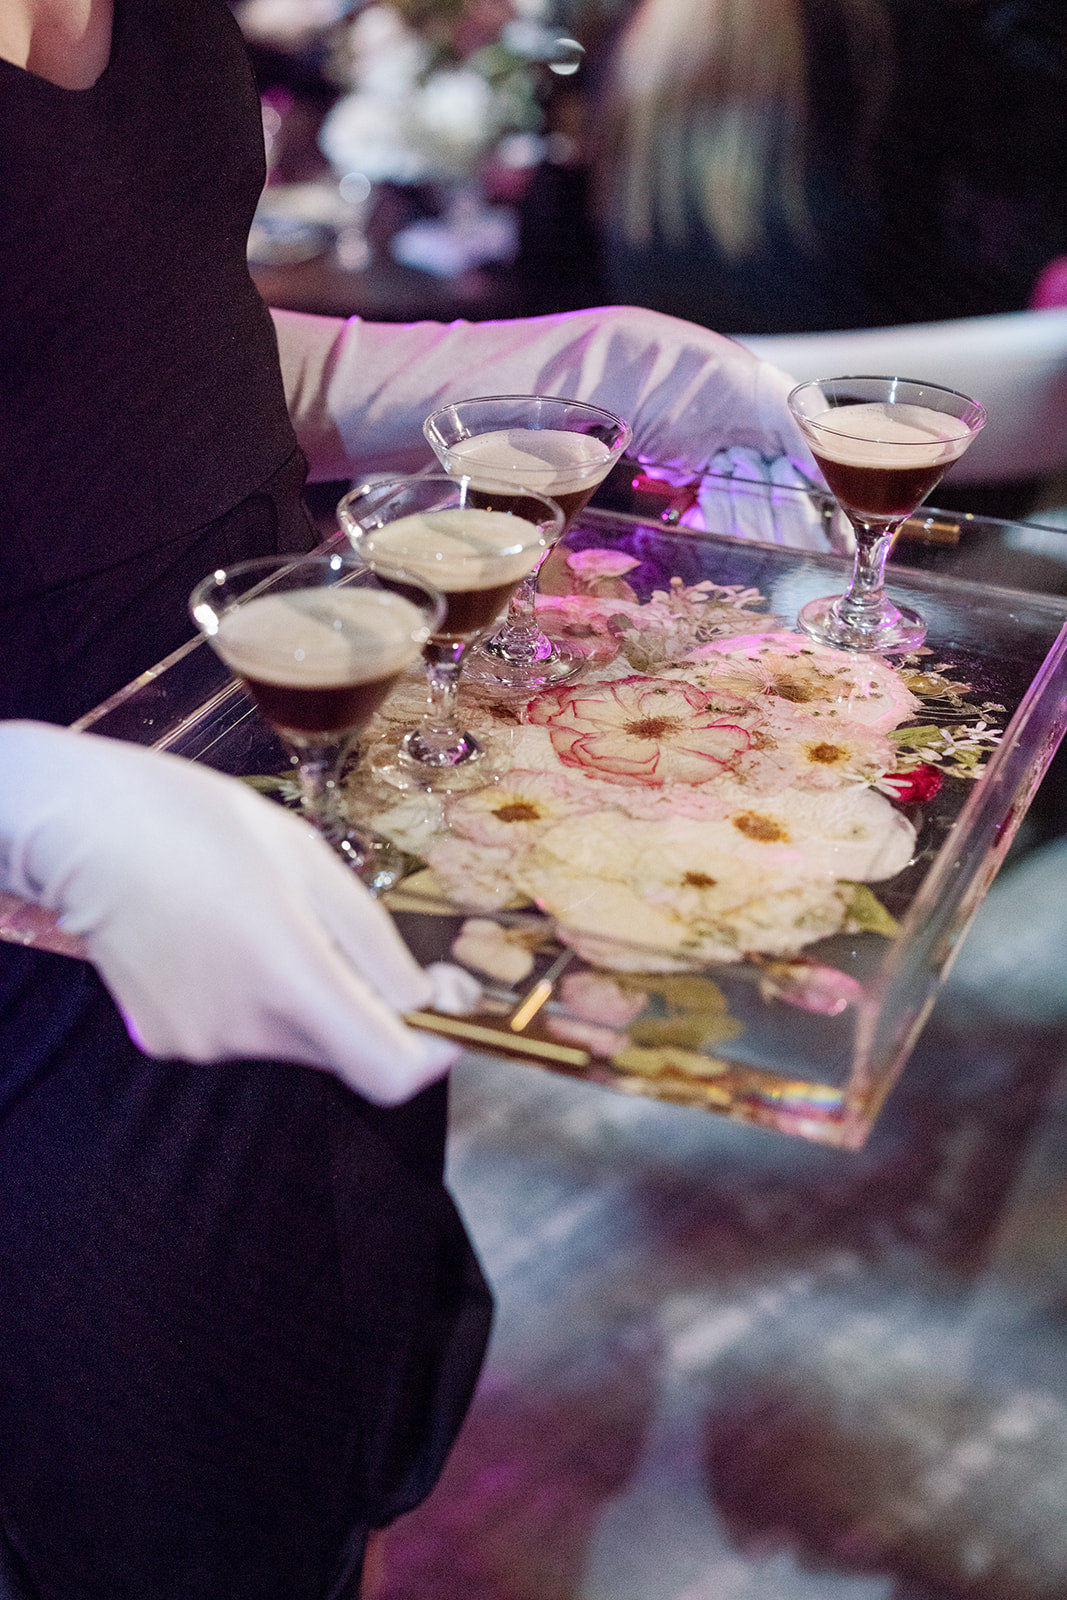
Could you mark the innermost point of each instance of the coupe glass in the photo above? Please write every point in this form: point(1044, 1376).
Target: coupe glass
point(883, 444)
point(437, 528)
point(508, 445)
point(319, 641)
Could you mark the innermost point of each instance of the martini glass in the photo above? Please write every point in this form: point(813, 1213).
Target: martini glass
point(509, 445)
point(434, 527)
point(883, 444)
point(319, 641)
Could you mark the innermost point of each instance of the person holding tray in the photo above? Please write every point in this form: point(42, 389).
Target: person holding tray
point(240, 1319)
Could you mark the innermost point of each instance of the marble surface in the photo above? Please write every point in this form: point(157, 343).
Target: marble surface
point(728, 1365)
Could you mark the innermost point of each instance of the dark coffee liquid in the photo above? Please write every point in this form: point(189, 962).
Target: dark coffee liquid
point(473, 611)
point(338, 708)
point(472, 555)
point(877, 493)
point(570, 502)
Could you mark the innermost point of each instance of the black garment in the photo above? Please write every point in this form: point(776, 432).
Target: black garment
point(950, 209)
point(139, 391)
point(240, 1320)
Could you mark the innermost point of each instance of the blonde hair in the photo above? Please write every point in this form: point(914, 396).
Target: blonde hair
point(707, 109)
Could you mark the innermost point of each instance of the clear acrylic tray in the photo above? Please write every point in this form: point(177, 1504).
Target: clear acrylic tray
point(809, 1040)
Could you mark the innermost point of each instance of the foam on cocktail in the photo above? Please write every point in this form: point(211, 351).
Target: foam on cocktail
point(888, 434)
point(458, 549)
point(321, 638)
point(551, 460)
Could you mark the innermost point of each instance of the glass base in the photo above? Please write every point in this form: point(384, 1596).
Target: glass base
point(894, 628)
point(377, 863)
point(418, 764)
point(487, 666)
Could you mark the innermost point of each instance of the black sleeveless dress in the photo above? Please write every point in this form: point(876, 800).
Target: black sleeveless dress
point(240, 1320)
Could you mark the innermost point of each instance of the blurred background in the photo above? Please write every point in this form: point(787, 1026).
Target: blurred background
point(772, 169)
point(902, 162)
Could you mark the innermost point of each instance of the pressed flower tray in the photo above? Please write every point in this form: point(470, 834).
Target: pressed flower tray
point(726, 868)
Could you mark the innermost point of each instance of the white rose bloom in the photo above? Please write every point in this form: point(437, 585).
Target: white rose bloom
point(387, 55)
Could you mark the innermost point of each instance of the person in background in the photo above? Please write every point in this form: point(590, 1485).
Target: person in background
point(790, 166)
point(240, 1319)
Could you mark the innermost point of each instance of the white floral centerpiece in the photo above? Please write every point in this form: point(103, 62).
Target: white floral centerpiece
point(432, 87)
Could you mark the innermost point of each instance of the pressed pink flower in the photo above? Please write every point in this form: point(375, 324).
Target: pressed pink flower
point(596, 998)
point(810, 986)
point(580, 614)
point(652, 731)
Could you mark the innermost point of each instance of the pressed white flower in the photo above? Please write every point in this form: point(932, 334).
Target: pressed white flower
point(514, 810)
point(812, 679)
point(474, 875)
point(851, 833)
point(824, 755)
point(608, 924)
point(699, 801)
point(703, 603)
point(680, 619)
point(412, 822)
point(628, 883)
point(502, 953)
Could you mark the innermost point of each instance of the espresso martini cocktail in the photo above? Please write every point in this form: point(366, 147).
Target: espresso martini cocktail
point(320, 661)
point(472, 556)
point(508, 446)
point(435, 528)
point(889, 459)
point(319, 641)
point(883, 445)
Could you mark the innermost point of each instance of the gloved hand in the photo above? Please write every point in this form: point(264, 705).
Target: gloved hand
point(358, 392)
point(222, 925)
point(753, 496)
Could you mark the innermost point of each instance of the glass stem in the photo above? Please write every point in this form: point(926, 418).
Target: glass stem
point(438, 741)
point(319, 767)
point(865, 599)
point(520, 639)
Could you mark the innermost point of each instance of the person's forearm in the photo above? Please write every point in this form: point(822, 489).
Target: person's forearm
point(359, 392)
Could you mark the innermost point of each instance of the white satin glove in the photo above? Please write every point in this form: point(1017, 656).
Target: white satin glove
point(752, 496)
point(222, 925)
point(359, 392)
